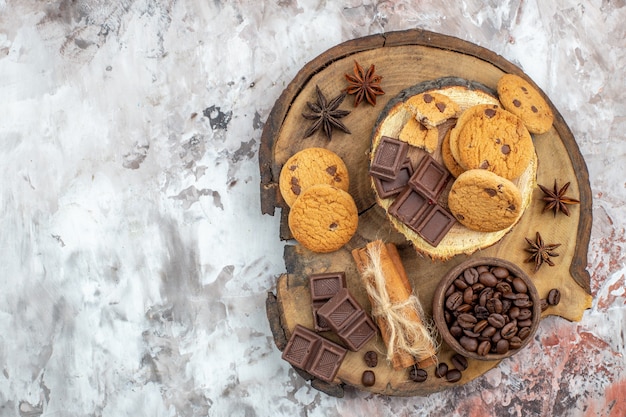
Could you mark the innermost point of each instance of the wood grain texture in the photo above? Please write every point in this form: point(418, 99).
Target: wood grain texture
point(404, 59)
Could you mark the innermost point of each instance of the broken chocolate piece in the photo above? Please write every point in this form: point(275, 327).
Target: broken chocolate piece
point(435, 225)
point(388, 188)
point(388, 159)
point(323, 287)
point(430, 177)
point(409, 205)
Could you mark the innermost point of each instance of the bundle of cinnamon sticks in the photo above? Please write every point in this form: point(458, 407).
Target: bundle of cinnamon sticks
point(396, 309)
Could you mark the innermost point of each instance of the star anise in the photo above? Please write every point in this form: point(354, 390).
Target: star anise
point(541, 252)
point(326, 114)
point(556, 199)
point(364, 84)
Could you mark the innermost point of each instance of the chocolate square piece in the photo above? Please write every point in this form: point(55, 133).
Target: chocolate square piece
point(320, 324)
point(325, 286)
point(339, 310)
point(430, 177)
point(327, 360)
point(435, 225)
point(302, 343)
point(386, 189)
point(409, 205)
point(389, 157)
point(359, 332)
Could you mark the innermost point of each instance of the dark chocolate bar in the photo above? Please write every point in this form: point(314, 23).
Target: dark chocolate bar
point(318, 356)
point(348, 319)
point(429, 178)
point(388, 159)
point(323, 286)
point(388, 188)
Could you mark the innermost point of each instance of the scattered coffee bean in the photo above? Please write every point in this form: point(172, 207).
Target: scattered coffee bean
point(459, 362)
point(418, 374)
point(368, 378)
point(554, 297)
point(544, 304)
point(441, 370)
point(371, 358)
point(453, 375)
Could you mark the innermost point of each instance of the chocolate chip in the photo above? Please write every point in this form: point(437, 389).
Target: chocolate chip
point(295, 188)
point(428, 98)
point(490, 113)
point(368, 378)
point(333, 226)
point(506, 149)
point(337, 178)
point(534, 109)
point(516, 103)
point(293, 167)
point(371, 358)
point(332, 170)
point(511, 207)
point(524, 89)
point(484, 165)
point(491, 192)
point(441, 107)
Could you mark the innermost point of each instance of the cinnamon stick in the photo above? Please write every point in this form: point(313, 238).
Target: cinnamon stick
point(399, 290)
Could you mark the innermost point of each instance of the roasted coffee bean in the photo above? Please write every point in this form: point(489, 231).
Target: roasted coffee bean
point(371, 358)
point(524, 314)
point(456, 331)
point(368, 378)
point(520, 285)
point(460, 284)
point(523, 301)
point(509, 330)
point(481, 312)
point(488, 279)
point(525, 323)
point(544, 304)
point(464, 308)
point(506, 305)
point(466, 321)
point(515, 342)
point(480, 326)
point(494, 305)
point(470, 333)
point(459, 362)
point(471, 276)
point(441, 370)
point(468, 295)
point(454, 300)
point(502, 346)
point(470, 344)
point(418, 374)
point(523, 333)
point(504, 287)
point(447, 316)
point(500, 272)
point(514, 312)
point(482, 268)
point(485, 295)
point(453, 375)
point(450, 290)
point(554, 297)
point(496, 337)
point(511, 295)
point(489, 331)
point(496, 320)
point(483, 348)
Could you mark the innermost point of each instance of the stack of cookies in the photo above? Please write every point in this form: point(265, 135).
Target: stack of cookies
point(314, 184)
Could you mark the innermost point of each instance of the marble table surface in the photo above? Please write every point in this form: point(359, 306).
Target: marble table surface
point(134, 258)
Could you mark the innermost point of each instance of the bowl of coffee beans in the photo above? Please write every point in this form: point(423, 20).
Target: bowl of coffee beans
point(486, 308)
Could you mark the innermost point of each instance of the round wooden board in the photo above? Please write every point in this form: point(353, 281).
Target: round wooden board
point(404, 59)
